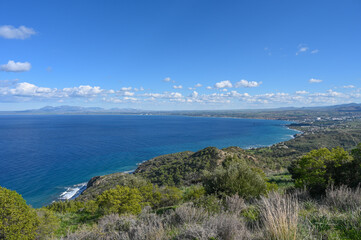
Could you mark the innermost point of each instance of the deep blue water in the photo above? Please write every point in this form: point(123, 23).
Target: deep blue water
point(42, 155)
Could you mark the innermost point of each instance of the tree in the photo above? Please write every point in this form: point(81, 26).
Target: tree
point(310, 170)
point(320, 168)
point(120, 200)
point(17, 220)
point(354, 168)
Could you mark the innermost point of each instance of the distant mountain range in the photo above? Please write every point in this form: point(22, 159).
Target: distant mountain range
point(77, 109)
point(65, 109)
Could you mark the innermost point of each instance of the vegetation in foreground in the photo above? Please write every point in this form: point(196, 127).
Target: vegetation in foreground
point(227, 197)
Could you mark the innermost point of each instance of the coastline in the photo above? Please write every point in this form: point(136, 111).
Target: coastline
point(75, 191)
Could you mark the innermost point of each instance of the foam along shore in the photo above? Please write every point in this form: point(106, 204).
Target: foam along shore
point(73, 192)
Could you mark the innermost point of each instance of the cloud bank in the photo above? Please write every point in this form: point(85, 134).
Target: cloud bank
point(10, 32)
point(15, 91)
point(12, 66)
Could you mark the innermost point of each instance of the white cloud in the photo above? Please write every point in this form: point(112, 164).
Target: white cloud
point(314, 51)
point(167, 79)
point(223, 84)
point(334, 93)
point(165, 95)
point(313, 80)
point(349, 86)
point(10, 32)
point(126, 88)
point(12, 66)
point(120, 100)
point(129, 94)
point(175, 95)
point(194, 94)
point(113, 100)
point(301, 49)
point(247, 84)
point(83, 91)
point(11, 90)
point(138, 89)
point(178, 87)
point(130, 99)
point(153, 95)
point(209, 87)
point(25, 89)
point(198, 85)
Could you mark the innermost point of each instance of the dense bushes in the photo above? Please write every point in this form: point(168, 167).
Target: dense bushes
point(48, 223)
point(120, 200)
point(231, 200)
point(17, 220)
point(182, 168)
point(97, 185)
point(235, 177)
point(20, 221)
point(131, 200)
point(321, 168)
point(277, 216)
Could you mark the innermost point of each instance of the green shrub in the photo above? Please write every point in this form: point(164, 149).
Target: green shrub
point(120, 200)
point(251, 213)
point(193, 193)
point(235, 177)
point(211, 203)
point(151, 195)
point(69, 206)
point(17, 220)
point(170, 196)
point(49, 223)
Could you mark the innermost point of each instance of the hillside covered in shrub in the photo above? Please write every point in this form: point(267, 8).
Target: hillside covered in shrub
point(228, 194)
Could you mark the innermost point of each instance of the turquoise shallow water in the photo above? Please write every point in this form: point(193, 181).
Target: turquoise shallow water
point(40, 156)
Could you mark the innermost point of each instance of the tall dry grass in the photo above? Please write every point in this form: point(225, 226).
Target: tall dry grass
point(147, 226)
point(343, 198)
point(279, 215)
point(195, 231)
point(228, 227)
point(187, 214)
point(235, 204)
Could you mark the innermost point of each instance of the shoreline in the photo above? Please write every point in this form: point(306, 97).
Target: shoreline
point(72, 194)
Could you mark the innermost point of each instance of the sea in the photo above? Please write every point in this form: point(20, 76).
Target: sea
point(51, 157)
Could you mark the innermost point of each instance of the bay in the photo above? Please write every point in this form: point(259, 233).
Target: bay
point(42, 155)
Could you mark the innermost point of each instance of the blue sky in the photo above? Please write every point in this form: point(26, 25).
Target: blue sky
point(179, 54)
